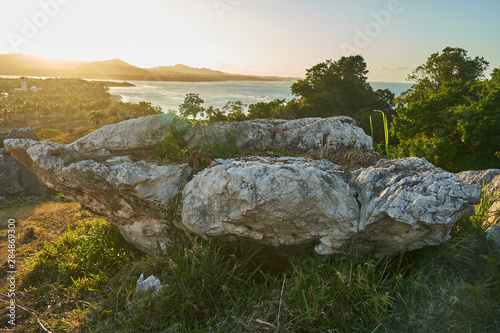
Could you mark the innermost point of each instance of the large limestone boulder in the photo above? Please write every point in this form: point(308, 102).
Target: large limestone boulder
point(393, 206)
point(137, 137)
point(408, 204)
point(284, 201)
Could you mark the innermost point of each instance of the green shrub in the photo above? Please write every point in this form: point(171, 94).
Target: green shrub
point(48, 134)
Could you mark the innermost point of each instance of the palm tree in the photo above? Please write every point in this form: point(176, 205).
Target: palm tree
point(96, 117)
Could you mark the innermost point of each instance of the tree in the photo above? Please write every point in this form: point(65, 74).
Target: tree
point(144, 109)
point(234, 111)
point(215, 115)
point(191, 106)
point(450, 116)
point(341, 88)
point(263, 110)
point(452, 65)
point(96, 117)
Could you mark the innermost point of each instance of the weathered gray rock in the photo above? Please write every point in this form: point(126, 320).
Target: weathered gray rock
point(136, 137)
point(302, 135)
point(14, 177)
point(152, 285)
point(408, 204)
point(18, 133)
point(276, 201)
point(391, 207)
point(491, 179)
point(126, 193)
point(479, 177)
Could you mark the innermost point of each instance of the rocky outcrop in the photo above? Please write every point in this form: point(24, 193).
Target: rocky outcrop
point(491, 180)
point(14, 177)
point(124, 192)
point(385, 208)
point(17, 133)
point(408, 204)
point(391, 207)
point(301, 136)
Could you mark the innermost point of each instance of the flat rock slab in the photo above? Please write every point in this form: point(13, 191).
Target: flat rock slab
point(124, 192)
point(302, 135)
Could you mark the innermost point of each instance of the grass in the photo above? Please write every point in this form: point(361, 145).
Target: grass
point(79, 275)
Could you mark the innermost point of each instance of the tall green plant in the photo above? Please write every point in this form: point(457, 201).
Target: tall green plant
point(391, 152)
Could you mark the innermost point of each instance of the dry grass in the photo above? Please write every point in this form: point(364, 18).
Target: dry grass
point(348, 158)
point(36, 224)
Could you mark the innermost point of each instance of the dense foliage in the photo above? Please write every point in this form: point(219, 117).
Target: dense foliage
point(451, 116)
point(58, 100)
point(331, 88)
point(63, 110)
point(55, 100)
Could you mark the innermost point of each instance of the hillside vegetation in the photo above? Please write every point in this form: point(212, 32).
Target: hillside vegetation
point(64, 110)
point(450, 116)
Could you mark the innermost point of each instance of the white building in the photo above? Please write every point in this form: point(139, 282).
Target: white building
point(23, 85)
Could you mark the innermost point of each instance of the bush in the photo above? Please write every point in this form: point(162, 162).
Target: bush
point(49, 134)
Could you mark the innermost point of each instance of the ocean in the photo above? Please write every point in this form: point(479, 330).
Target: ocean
point(169, 95)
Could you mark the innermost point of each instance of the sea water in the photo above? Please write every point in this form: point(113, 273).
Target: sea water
point(169, 95)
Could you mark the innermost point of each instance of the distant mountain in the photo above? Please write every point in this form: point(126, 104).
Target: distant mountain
point(116, 69)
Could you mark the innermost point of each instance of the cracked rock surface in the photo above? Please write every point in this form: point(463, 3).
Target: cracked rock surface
point(301, 135)
point(283, 201)
point(394, 206)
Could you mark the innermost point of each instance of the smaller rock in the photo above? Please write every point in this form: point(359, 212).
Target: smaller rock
point(18, 133)
point(493, 233)
point(491, 179)
point(14, 177)
point(151, 283)
point(479, 177)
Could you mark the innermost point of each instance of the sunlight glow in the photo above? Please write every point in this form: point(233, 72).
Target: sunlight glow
point(250, 37)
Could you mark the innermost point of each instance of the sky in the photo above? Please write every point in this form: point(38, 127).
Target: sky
point(258, 37)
